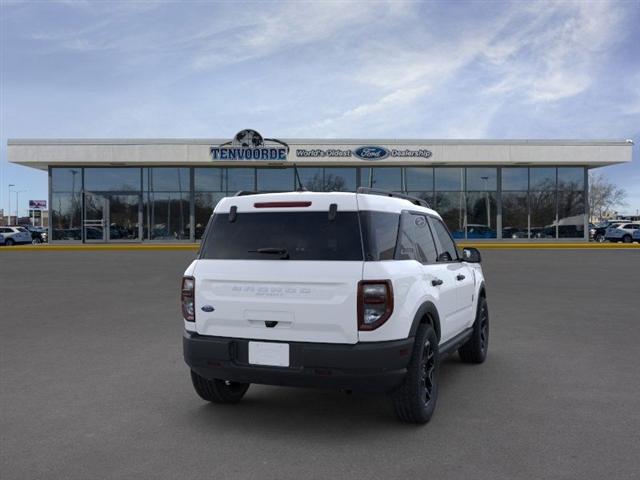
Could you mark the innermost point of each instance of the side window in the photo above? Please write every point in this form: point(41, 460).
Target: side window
point(446, 248)
point(379, 234)
point(415, 241)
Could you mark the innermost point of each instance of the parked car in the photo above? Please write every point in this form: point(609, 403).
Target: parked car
point(599, 232)
point(342, 290)
point(514, 232)
point(622, 232)
point(15, 235)
point(38, 234)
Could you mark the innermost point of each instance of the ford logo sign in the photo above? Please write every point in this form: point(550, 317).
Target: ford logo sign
point(371, 153)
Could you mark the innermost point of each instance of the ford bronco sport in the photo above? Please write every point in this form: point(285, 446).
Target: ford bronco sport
point(354, 291)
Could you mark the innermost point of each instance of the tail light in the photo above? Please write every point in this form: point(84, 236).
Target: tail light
point(187, 298)
point(375, 303)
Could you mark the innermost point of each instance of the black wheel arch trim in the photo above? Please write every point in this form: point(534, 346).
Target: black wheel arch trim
point(482, 291)
point(426, 309)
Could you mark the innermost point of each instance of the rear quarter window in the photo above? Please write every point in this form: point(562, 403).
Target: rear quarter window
point(379, 234)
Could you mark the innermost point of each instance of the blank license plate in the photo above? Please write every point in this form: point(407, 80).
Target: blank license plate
point(267, 353)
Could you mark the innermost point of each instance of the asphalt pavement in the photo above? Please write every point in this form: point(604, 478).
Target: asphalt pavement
point(93, 385)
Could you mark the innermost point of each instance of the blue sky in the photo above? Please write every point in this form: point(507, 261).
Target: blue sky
point(319, 69)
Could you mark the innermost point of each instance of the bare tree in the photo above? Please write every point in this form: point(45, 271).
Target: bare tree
point(604, 196)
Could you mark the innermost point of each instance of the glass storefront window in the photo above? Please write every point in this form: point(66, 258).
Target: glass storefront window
point(205, 202)
point(571, 178)
point(66, 217)
point(66, 179)
point(481, 215)
point(515, 178)
point(241, 179)
point(112, 179)
point(571, 211)
point(167, 216)
point(209, 179)
point(340, 179)
point(419, 179)
point(384, 178)
point(543, 214)
point(515, 215)
point(449, 179)
point(312, 178)
point(542, 178)
point(482, 179)
point(166, 179)
point(451, 207)
point(275, 179)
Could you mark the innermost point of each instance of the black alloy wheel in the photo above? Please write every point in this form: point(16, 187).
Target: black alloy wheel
point(428, 370)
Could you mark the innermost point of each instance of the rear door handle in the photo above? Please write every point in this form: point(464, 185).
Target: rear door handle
point(436, 282)
point(460, 277)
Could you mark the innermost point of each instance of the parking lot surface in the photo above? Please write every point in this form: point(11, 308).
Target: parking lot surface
point(93, 384)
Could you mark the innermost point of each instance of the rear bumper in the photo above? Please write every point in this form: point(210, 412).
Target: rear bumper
point(376, 366)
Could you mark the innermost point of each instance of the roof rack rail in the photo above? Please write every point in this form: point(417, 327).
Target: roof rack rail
point(386, 193)
point(242, 193)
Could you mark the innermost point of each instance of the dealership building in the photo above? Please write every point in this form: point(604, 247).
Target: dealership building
point(132, 190)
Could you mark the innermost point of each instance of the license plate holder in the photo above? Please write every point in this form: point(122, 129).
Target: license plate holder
point(269, 354)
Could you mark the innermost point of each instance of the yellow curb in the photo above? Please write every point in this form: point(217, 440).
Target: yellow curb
point(551, 246)
point(77, 247)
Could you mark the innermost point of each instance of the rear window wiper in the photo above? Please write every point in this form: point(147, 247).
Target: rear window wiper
point(284, 254)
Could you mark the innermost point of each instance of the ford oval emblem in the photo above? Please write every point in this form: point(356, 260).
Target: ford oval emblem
point(207, 308)
point(371, 153)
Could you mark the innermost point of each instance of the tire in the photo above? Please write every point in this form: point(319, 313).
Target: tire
point(415, 400)
point(475, 349)
point(36, 241)
point(9, 242)
point(218, 391)
point(599, 238)
point(626, 239)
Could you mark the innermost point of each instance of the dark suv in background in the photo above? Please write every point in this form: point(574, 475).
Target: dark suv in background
point(38, 234)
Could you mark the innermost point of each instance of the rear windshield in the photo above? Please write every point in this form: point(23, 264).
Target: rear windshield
point(283, 235)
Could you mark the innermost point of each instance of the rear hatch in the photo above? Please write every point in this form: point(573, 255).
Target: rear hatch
point(281, 267)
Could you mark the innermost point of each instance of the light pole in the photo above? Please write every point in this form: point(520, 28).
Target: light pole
point(9, 214)
point(18, 192)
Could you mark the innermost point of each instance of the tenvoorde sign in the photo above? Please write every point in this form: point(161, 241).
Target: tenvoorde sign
point(249, 145)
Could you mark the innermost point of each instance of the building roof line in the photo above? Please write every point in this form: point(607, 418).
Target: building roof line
point(318, 141)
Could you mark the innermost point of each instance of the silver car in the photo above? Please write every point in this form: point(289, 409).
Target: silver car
point(15, 235)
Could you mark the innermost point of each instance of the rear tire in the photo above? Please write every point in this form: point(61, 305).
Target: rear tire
point(9, 242)
point(626, 239)
point(599, 238)
point(475, 349)
point(218, 391)
point(36, 241)
point(415, 400)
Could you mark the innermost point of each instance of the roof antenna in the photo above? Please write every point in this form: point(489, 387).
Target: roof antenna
point(300, 187)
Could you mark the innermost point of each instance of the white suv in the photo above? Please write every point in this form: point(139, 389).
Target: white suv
point(622, 232)
point(354, 291)
point(15, 235)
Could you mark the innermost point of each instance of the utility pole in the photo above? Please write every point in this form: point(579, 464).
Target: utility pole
point(9, 214)
point(18, 192)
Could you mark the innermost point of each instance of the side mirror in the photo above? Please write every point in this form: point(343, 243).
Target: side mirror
point(471, 255)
